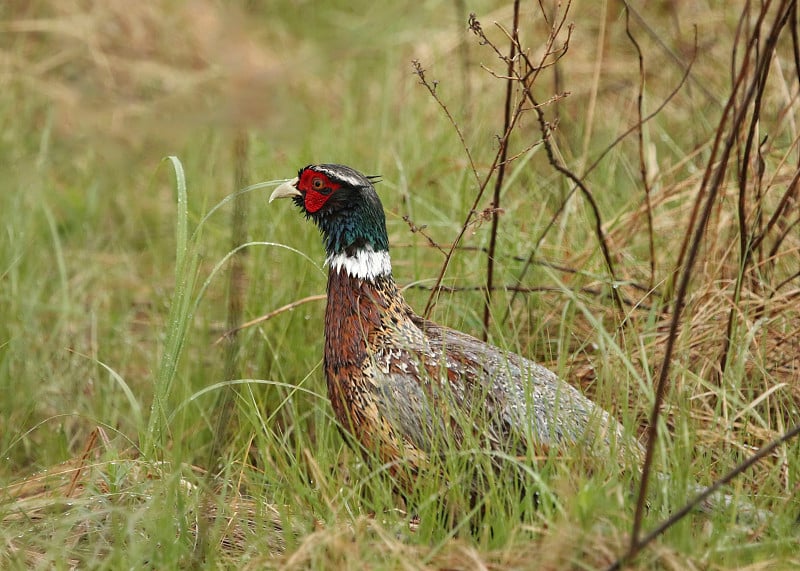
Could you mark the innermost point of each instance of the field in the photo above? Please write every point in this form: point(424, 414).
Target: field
point(163, 402)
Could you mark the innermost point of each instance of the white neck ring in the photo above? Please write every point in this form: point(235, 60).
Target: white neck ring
point(366, 264)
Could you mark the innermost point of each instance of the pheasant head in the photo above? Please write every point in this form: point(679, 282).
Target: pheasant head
point(343, 204)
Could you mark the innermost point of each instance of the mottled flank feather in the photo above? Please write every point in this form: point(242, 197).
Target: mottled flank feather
point(398, 382)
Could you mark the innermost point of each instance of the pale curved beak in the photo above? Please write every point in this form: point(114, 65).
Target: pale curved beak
point(286, 190)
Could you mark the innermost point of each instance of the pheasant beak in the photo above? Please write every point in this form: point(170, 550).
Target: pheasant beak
point(286, 190)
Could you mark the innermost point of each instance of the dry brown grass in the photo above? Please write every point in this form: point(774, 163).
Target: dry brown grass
point(143, 71)
point(91, 491)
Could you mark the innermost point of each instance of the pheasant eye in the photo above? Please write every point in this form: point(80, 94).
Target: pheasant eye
point(319, 185)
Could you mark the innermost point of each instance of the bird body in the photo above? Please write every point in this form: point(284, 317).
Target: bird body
point(398, 382)
point(408, 389)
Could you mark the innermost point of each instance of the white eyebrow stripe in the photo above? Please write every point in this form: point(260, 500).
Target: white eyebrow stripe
point(339, 175)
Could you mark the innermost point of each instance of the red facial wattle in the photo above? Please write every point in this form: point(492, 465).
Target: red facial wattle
point(316, 188)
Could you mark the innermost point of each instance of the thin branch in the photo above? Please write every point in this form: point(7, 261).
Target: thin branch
point(501, 172)
point(713, 178)
point(674, 56)
point(597, 292)
point(745, 244)
point(639, 544)
point(751, 240)
point(640, 133)
point(587, 194)
point(415, 229)
point(782, 237)
point(785, 282)
point(595, 164)
point(526, 82)
point(795, 42)
point(431, 87)
point(270, 315)
point(704, 183)
point(652, 115)
point(482, 185)
point(533, 261)
point(546, 129)
point(783, 205)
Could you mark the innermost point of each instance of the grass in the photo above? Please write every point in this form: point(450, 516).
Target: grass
point(114, 292)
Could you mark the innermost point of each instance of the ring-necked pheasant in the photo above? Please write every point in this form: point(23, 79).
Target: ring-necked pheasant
point(397, 381)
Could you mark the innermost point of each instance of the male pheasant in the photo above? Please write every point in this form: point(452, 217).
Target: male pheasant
point(397, 381)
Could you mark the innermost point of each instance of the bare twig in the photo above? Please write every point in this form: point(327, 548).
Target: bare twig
point(418, 69)
point(640, 133)
point(597, 292)
point(752, 41)
point(528, 260)
point(704, 495)
point(636, 126)
point(431, 87)
point(782, 236)
point(415, 229)
point(594, 165)
point(712, 181)
point(526, 83)
point(501, 172)
point(270, 315)
point(710, 95)
point(783, 206)
point(747, 245)
point(795, 42)
point(786, 281)
point(587, 194)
